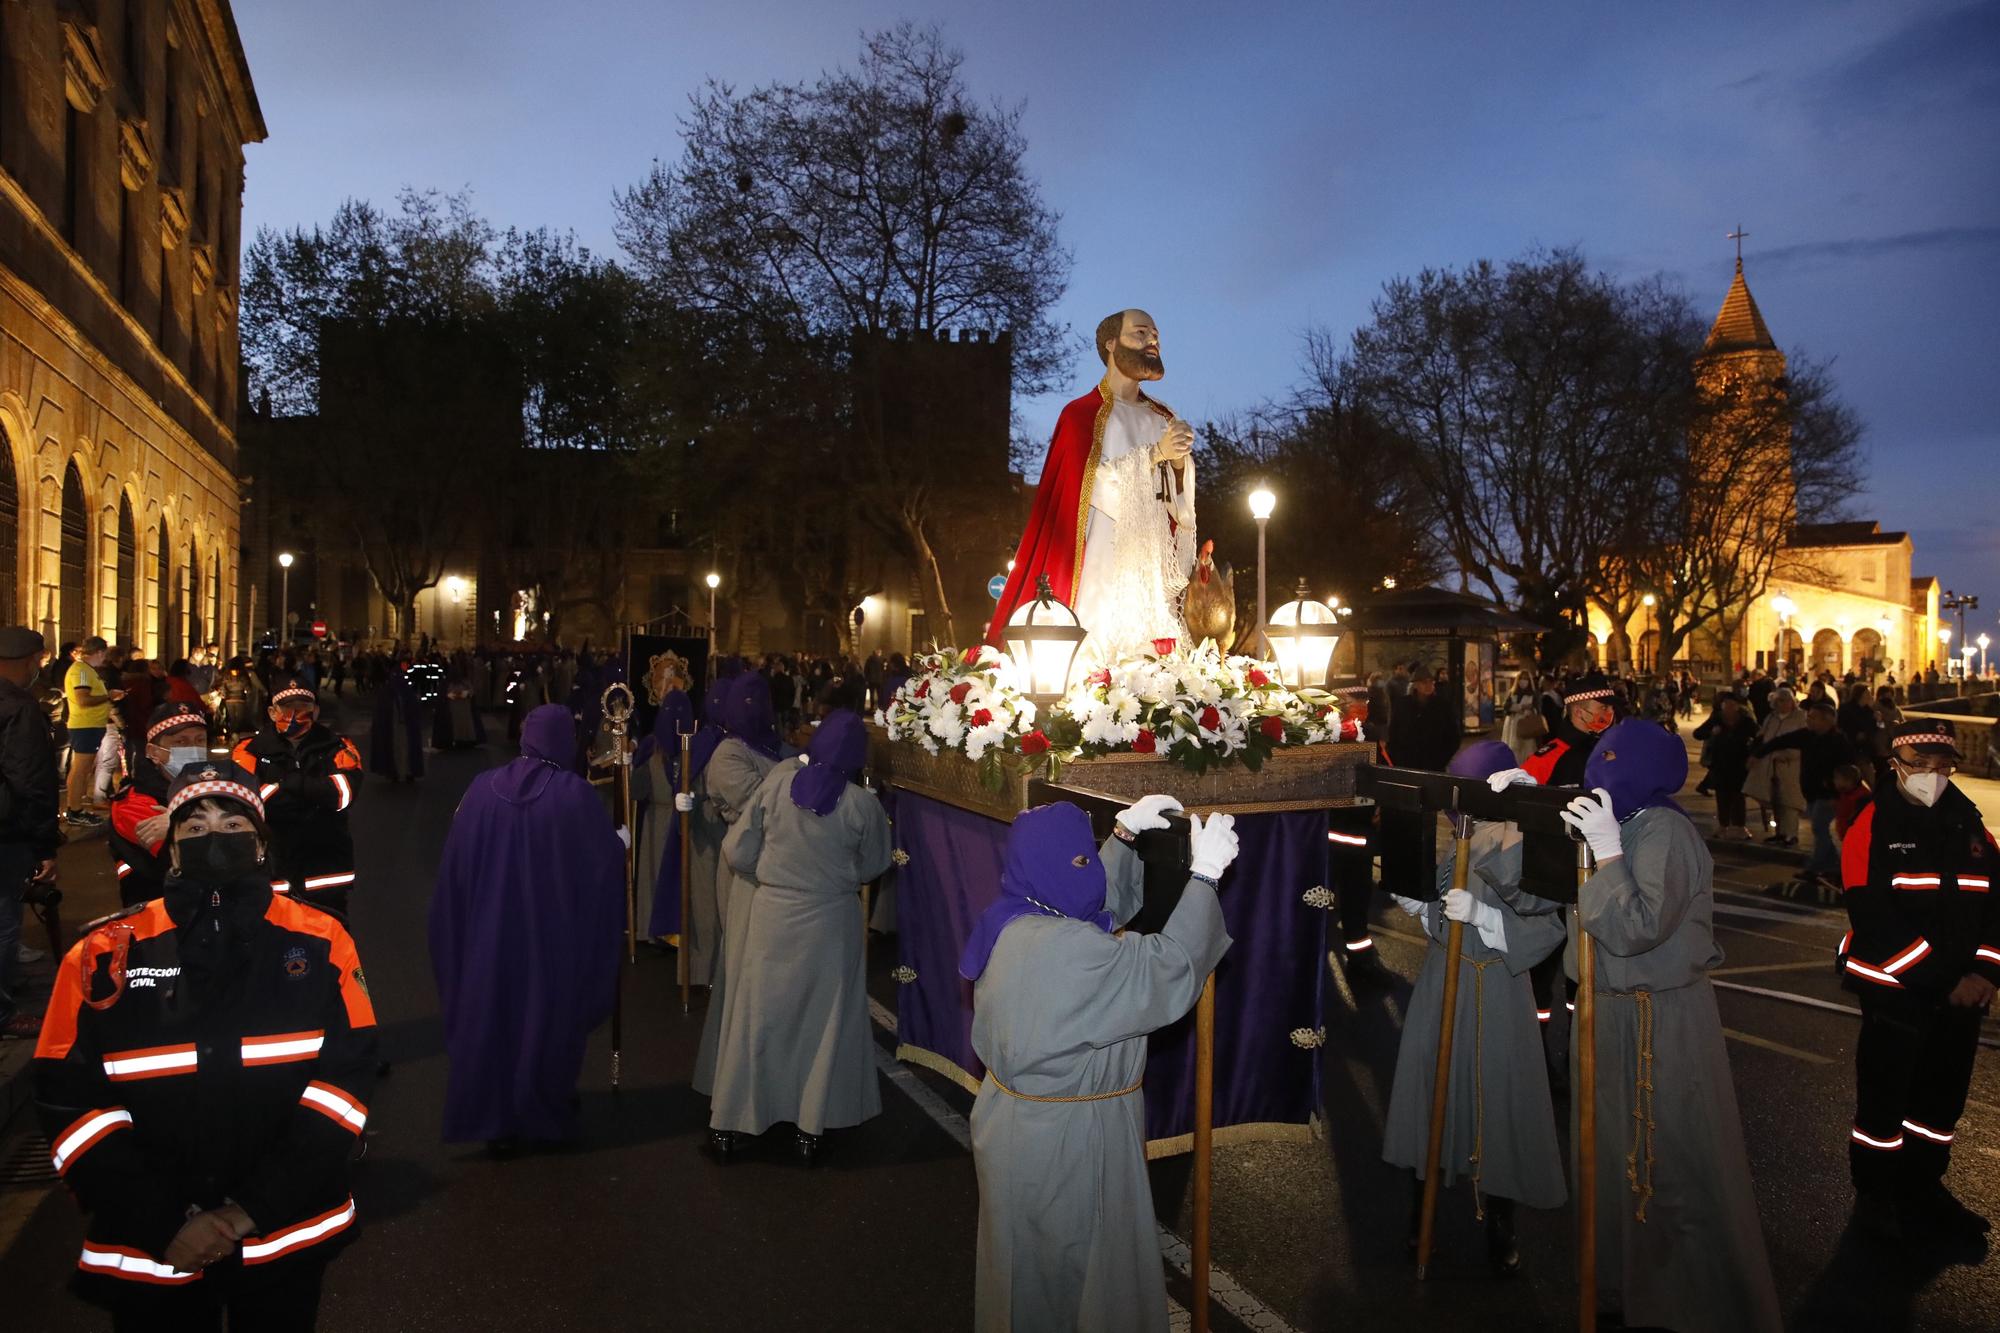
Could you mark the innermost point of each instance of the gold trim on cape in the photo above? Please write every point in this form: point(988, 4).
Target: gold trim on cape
point(1090, 473)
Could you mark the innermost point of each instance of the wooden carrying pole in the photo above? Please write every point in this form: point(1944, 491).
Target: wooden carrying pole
point(1583, 1038)
point(1204, 1145)
point(1454, 946)
point(617, 703)
point(687, 856)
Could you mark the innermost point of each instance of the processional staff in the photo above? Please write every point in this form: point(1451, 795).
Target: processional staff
point(617, 703)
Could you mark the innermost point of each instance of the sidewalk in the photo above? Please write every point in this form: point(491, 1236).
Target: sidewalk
point(90, 890)
point(1985, 793)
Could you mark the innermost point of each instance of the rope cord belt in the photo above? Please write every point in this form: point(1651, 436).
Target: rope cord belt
point(1092, 1097)
point(1638, 1175)
point(1478, 1078)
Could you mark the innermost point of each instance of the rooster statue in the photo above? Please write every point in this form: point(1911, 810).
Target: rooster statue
point(1209, 605)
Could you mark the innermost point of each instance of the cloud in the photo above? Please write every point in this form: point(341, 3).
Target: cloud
point(1940, 239)
point(1947, 60)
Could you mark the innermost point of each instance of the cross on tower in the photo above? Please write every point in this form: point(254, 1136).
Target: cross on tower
point(1737, 236)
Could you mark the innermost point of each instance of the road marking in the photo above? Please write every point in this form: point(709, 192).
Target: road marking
point(1777, 1046)
point(1771, 914)
point(1810, 965)
point(1775, 939)
point(1811, 1003)
point(1223, 1289)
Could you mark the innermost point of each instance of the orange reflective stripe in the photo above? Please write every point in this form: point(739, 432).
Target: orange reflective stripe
point(263, 1249)
point(130, 1264)
point(85, 1133)
point(149, 1062)
point(283, 1047)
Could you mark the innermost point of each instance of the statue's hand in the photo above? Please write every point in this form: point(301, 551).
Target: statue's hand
point(1176, 444)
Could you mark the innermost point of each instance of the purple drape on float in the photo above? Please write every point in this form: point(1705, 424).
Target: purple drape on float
point(1267, 986)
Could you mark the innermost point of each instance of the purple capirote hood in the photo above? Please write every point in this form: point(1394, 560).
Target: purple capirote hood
point(1050, 868)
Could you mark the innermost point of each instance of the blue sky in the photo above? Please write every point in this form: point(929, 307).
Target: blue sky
point(1245, 171)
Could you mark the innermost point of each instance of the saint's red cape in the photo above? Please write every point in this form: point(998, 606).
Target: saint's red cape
point(1053, 541)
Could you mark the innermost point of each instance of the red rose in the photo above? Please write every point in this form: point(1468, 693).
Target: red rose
point(960, 690)
point(1211, 720)
point(1144, 743)
point(1258, 678)
point(923, 689)
point(1274, 727)
point(982, 717)
point(1101, 677)
point(972, 654)
point(1034, 743)
point(1164, 646)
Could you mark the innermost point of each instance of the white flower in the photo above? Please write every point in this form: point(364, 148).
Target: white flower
point(1101, 728)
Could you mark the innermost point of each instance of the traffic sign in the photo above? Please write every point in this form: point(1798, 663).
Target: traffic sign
point(319, 629)
point(996, 585)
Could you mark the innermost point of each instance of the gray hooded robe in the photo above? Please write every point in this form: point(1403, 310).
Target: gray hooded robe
point(1497, 1106)
point(1067, 1238)
point(794, 1043)
point(722, 793)
point(1678, 1241)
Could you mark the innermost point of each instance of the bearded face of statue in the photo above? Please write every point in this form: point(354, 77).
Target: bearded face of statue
point(1136, 354)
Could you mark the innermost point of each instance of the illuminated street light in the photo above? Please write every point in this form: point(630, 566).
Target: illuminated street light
point(285, 595)
point(1262, 502)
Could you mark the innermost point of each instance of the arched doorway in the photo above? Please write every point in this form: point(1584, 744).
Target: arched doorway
point(1826, 652)
point(1792, 648)
point(128, 573)
point(10, 534)
point(1868, 650)
point(71, 622)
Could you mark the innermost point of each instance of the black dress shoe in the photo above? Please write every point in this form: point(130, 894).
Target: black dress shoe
point(808, 1147)
point(1940, 1208)
point(1365, 969)
point(1501, 1252)
point(724, 1145)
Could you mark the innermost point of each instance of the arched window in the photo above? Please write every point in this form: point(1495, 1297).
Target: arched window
point(71, 623)
point(196, 596)
point(163, 594)
point(10, 535)
point(128, 573)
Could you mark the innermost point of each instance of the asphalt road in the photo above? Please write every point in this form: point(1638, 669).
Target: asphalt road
point(635, 1229)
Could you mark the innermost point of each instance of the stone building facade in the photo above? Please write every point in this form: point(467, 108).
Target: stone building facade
point(1841, 596)
point(122, 127)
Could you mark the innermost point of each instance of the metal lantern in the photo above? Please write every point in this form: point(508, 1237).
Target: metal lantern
point(1042, 638)
point(1303, 633)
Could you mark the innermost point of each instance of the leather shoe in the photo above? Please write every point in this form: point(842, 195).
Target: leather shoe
point(808, 1147)
point(1501, 1252)
point(724, 1145)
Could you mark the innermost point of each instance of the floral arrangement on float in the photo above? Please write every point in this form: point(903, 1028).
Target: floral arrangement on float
point(1198, 708)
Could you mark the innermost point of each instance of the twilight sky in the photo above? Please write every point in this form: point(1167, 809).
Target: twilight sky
point(1248, 173)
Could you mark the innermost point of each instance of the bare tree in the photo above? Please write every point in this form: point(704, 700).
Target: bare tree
point(859, 206)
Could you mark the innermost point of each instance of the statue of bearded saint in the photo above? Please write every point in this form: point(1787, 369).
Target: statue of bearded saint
point(1113, 522)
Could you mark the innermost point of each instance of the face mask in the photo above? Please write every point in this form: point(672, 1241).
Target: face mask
point(219, 857)
point(298, 726)
point(1598, 725)
point(181, 756)
point(1923, 788)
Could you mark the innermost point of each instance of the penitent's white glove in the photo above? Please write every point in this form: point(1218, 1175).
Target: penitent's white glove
point(1511, 777)
point(1410, 906)
point(1213, 843)
point(1148, 812)
point(624, 835)
point(1592, 817)
point(1460, 905)
point(684, 802)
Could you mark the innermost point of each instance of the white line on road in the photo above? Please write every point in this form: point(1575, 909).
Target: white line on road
point(1778, 1046)
point(1223, 1289)
point(1812, 1003)
point(1809, 965)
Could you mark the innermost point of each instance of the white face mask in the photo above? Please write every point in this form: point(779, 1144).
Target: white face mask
point(1923, 788)
point(180, 756)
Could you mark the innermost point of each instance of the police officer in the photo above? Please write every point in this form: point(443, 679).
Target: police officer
point(203, 1076)
point(308, 777)
point(1923, 957)
point(176, 737)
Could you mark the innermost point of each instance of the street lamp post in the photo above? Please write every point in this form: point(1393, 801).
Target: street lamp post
point(1784, 606)
point(1944, 646)
point(1984, 642)
point(1960, 603)
point(284, 595)
point(714, 581)
point(1262, 502)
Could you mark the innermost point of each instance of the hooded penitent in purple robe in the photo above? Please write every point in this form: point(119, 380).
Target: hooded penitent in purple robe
point(525, 927)
point(396, 737)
